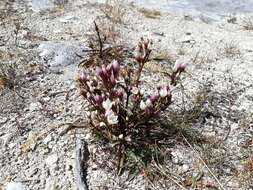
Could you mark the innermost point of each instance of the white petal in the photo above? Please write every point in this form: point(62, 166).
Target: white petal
point(102, 124)
point(88, 113)
point(93, 115)
point(135, 90)
point(149, 103)
point(177, 63)
point(163, 92)
point(143, 105)
point(107, 105)
point(111, 117)
point(142, 92)
point(121, 136)
point(128, 138)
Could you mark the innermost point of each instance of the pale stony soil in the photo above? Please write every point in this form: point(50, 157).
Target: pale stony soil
point(33, 152)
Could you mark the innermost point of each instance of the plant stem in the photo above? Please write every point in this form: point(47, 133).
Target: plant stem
point(121, 158)
point(137, 81)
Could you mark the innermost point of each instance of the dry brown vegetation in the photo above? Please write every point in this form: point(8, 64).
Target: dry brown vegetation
point(229, 50)
point(150, 13)
point(114, 11)
point(60, 3)
point(113, 16)
point(248, 23)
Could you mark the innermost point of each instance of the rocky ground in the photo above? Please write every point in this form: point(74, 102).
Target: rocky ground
point(43, 44)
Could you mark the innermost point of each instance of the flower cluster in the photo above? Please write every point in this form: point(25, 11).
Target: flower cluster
point(117, 103)
point(109, 73)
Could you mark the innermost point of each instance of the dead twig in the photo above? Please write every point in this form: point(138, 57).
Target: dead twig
point(71, 126)
point(99, 40)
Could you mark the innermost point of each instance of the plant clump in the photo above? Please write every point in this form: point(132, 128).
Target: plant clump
point(121, 110)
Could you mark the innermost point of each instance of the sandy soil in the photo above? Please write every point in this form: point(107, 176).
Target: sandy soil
point(220, 57)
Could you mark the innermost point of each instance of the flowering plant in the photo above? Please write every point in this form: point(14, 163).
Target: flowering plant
point(119, 109)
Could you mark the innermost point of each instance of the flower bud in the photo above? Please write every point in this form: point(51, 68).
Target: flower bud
point(105, 73)
point(119, 93)
point(179, 66)
point(168, 90)
point(139, 59)
point(146, 44)
point(115, 66)
point(109, 68)
point(182, 67)
point(154, 98)
point(112, 79)
point(98, 99)
point(82, 76)
point(103, 96)
point(99, 71)
point(138, 55)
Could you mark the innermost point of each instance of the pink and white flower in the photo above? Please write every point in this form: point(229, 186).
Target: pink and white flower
point(115, 66)
point(163, 92)
point(143, 105)
point(111, 117)
point(149, 103)
point(82, 76)
point(179, 66)
point(135, 90)
point(107, 104)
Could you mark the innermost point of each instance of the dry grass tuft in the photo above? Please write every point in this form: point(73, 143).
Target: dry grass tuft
point(60, 3)
point(245, 175)
point(150, 13)
point(248, 23)
point(103, 47)
point(109, 30)
point(7, 71)
point(114, 11)
point(229, 50)
point(111, 20)
point(249, 165)
point(7, 76)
